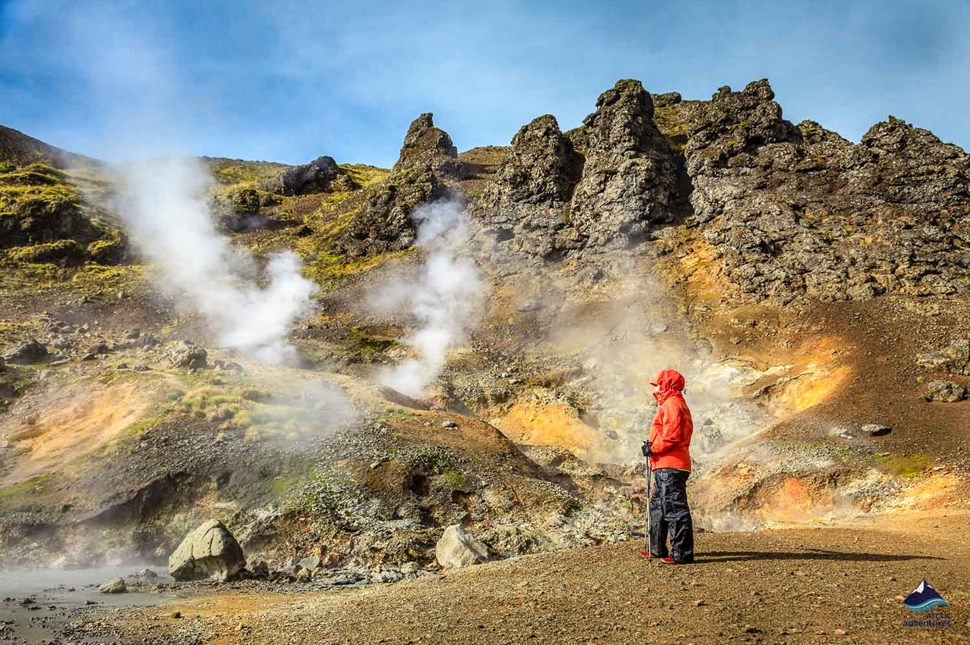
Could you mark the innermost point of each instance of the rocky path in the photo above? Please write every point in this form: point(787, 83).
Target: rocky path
point(800, 585)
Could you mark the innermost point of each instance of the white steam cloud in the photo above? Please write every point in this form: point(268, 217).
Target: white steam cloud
point(443, 298)
point(164, 205)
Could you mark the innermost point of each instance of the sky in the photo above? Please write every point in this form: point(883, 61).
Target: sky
point(292, 80)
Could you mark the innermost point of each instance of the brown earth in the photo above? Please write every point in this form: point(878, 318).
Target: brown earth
point(821, 584)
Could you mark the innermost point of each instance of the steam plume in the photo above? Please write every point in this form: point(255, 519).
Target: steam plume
point(447, 292)
point(165, 209)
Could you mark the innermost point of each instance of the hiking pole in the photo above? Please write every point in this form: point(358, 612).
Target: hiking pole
point(645, 449)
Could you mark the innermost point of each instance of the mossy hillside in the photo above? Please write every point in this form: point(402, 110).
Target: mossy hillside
point(43, 220)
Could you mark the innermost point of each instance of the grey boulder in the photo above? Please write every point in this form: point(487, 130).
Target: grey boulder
point(459, 548)
point(209, 551)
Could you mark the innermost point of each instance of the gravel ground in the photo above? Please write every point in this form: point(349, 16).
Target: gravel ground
point(800, 585)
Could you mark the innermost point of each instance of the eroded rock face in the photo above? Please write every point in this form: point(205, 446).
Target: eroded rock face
point(525, 208)
point(800, 211)
point(427, 146)
point(383, 223)
point(209, 551)
point(459, 548)
point(629, 177)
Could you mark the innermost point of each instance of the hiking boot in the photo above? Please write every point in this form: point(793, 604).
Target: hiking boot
point(671, 561)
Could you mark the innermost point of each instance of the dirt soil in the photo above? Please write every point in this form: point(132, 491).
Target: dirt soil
point(825, 584)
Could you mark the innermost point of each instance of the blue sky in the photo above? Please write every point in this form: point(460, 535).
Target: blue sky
point(291, 80)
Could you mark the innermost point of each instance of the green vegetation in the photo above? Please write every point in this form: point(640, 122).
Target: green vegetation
point(22, 495)
point(364, 175)
point(905, 466)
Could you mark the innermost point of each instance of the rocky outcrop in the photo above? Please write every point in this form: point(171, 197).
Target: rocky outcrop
point(799, 211)
point(459, 548)
point(629, 177)
point(525, 209)
point(383, 222)
point(603, 185)
point(427, 146)
point(209, 551)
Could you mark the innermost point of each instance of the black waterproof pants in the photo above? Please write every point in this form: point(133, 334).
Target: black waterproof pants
point(669, 514)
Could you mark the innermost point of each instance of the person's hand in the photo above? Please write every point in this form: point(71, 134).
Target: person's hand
point(645, 449)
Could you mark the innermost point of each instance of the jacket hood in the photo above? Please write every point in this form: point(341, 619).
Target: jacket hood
point(667, 382)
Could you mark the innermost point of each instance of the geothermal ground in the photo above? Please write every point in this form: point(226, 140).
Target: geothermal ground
point(831, 584)
point(346, 365)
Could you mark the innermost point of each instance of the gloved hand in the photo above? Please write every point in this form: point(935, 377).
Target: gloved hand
point(645, 449)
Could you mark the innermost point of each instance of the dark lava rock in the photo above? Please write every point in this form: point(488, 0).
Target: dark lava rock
point(321, 175)
point(799, 211)
point(629, 177)
point(524, 208)
point(26, 353)
point(427, 146)
point(383, 223)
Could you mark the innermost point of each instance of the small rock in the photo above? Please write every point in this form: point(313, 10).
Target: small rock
point(449, 424)
point(839, 632)
point(147, 574)
point(410, 568)
point(945, 391)
point(876, 430)
point(115, 585)
point(699, 603)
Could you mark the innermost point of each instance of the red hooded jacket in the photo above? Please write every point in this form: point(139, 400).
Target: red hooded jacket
point(672, 428)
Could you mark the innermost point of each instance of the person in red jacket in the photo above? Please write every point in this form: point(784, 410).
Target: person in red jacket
point(668, 450)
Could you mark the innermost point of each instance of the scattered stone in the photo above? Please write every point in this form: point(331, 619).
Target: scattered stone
point(186, 355)
point(954, 359)
point(258, 567)
point(115, 585)
point(410, 568)
point(945, 391)
point(209, 551)
point(459, 548)
point(146, 574)
point(449, 424)
point(26, 353)
point(876, 430)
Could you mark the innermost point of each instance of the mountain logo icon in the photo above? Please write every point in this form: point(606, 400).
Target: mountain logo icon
point(924, 598)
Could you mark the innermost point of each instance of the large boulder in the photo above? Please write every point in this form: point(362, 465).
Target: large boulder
point(115, 585)
point(427, 146)
point(209, 551)
point(319, 176)
point(459, 548)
